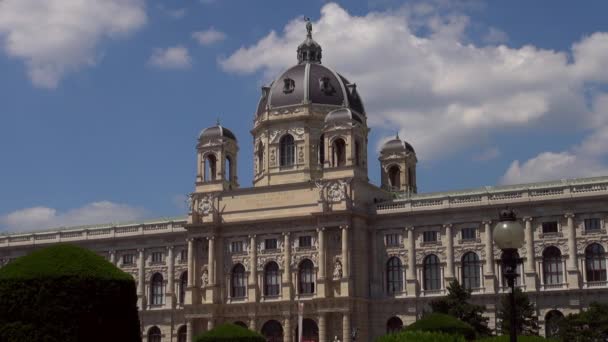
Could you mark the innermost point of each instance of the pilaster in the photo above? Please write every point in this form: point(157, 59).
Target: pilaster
point(346, 279)
point(530, 266)
point(490, 281)
point(170, 293)
point(191, 290)
point(411, 282)
point(449, 238)
point(253, 270)
point(322, 275)
point(572, 266)
point(287, 286)
point(141, 280)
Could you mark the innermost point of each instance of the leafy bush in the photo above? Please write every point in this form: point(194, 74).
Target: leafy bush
point(505, 338)
point(437, 322)
point(66, 293)
point(230, 333)
point(420, 336)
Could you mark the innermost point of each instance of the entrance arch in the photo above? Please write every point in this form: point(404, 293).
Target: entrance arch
point(272, 331)
point(310, 333)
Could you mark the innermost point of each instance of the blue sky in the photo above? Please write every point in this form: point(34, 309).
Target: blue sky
point(101, 102)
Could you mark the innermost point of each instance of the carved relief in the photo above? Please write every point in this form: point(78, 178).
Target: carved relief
point(439, 252)
point(205, 204)
point(333, 190)
point(337, 269)
point(539, 246)
point(297, 258)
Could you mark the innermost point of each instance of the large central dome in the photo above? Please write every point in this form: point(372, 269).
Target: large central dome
point(309, 82)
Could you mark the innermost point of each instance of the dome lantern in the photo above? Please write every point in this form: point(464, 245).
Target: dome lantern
point(309, 51)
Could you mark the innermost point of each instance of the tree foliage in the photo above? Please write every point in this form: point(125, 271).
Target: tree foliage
point(230, 333)
point(526, 323)
point(67, 293)
point(420, 336)
point(443, 323)
point(590, 325)
point(456, 304)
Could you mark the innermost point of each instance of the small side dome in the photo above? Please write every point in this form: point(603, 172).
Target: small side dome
point(217, 131)
point(342, 115)
point(397, 145)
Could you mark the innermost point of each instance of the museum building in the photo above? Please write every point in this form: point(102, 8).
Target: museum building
point(364, 259)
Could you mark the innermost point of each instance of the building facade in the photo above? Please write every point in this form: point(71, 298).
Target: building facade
point(313, 229)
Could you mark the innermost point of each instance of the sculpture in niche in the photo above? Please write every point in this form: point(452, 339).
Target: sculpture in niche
point(190, 203)
point(288, 85)
point(325, 86)
point(205, 205)
point(337, 270)
point(205, 278)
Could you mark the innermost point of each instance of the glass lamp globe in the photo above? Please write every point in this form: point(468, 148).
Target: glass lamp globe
point(508, 232)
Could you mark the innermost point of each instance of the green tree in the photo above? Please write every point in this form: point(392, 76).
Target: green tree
point(590, 325)
point(527, 322)
point(456, 304)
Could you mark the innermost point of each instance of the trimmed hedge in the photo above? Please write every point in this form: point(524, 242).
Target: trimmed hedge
point(67, 293)
point(521, 338)
point(230, 333)
point(437, 322)
point(420, 336)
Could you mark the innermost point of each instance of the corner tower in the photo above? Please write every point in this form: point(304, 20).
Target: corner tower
point(398, 166)
point(217, 150)
point(291, 134)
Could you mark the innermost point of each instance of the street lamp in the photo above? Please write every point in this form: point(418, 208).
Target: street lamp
point(509, 236)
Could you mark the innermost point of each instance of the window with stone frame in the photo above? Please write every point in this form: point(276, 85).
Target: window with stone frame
point(429, 236)
point(468, 233)
point(236, 246)
point(549, 227)
point(128, 259)
point(593, 224)
point(157, 257)
point(305, 241)
point(270, 244)
point(183, 255)
point(391, 240)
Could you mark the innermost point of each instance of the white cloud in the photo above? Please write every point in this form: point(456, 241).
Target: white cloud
point(56, 37)
point(176, 57)
point(495, 36)
point(209, 36)
point(38, 218)
point(418, 71)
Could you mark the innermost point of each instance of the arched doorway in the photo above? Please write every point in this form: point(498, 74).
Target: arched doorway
point(310, 333)
point(272, 331)
point(394, 325)
point(552, 320)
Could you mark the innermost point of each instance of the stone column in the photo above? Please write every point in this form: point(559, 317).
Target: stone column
point(287, 329)
point(113, 256)
point(287, 287)
point(141, 286)
point(210, 323)
point(346, 337)
point(322, 263)
point(489, 277)
point(191, 247)
point(345, 282)
point(189, 330)
point(211, 260)
point(572, 267)
point(253, 271)
point(170, 277)
point(530, 265)
point(322, 327)
point(376, 289)
point(410, 277)
point(252, 323)
point(449, 272)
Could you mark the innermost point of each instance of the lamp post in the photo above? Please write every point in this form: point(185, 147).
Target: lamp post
point(509, 236)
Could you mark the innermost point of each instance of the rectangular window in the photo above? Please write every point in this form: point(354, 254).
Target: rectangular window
point(270, 244)
point(469, 233)
point(305, 241)
point(157, 257)
point(549, 227)
point(592, 224)
point(183, 255)
point(429, 236)
point(127, 259)
point(236, 246)
point(392, 239)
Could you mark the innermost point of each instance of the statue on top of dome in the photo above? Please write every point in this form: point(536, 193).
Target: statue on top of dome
point(308, 27)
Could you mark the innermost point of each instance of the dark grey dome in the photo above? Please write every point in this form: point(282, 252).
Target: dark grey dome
point(215, 132)
point(309, 82)
point(342, 115)
point(397, 145)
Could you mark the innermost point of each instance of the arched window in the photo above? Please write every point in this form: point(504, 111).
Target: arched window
point(260, 156)
point(357, 153)
point(238, 282)
point(595, 263)
point(322, 150)
point(306, 277)
point(182, 334)
point(228, 169)
point(154, 334)
point(271, 279)
point(432, 273)
point(210, 167)
point(183, 284)
point(394, 276)
point(339, 153)
point(394, 177)
point(394, 325)
point(552, 320)
point(157, 289)
point(287, 150)
point(471, 271)
point(272, 331)
point(552, 266)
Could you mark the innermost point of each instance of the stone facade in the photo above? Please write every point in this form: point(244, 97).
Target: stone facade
point(313, 229)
